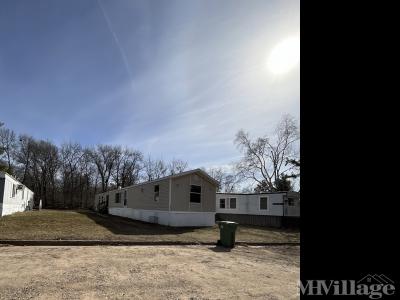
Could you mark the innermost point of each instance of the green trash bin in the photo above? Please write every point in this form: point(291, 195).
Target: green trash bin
point(227, 230)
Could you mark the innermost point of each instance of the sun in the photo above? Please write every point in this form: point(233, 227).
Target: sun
point(284, 56)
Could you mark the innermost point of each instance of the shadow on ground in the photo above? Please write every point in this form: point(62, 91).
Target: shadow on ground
point(125, 226)
point(220, 249)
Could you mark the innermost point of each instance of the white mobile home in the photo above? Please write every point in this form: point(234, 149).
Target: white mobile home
point(184, 199)
point(14, 196)
point(265, 209)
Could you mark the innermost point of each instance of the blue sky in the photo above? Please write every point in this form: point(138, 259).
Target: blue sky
point(175, 79)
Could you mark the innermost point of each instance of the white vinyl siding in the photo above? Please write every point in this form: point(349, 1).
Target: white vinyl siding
point(249, 204)
point(13, 196)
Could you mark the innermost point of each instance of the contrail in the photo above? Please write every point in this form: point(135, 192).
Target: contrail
point(117, 43)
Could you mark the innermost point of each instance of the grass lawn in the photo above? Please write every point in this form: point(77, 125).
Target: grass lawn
point(87, 225)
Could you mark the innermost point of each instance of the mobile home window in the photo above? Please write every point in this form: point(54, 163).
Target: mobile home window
point(195, 193)
point(290, 202)
point(232, 203)
point(263, 203)
point(221, 203)
point(156, 192)
point(117, 198)
point(14, 191)
point(125, 198)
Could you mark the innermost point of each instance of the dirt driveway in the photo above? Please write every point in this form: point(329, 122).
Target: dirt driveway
point(149, 272)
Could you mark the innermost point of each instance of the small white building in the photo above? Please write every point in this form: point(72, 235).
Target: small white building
point(265, 209)
point(14, 196)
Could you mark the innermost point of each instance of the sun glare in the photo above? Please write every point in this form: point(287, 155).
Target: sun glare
point(284, 56)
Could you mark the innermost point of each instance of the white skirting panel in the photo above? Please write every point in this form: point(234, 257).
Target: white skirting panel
point(169, 218)
point(8, 209)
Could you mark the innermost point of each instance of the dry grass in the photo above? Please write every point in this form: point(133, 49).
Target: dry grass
point(87, 225)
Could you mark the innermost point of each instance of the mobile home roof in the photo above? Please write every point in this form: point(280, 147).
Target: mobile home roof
point(198, 171)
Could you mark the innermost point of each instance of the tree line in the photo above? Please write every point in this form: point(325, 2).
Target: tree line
point(70, 175)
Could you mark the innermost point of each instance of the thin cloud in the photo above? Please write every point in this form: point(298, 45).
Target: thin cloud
point(199, 74)
point(116, 40)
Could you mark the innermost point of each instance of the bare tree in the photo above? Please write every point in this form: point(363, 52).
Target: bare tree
point(247, 190)
point(154, 169)
point(1, 148)
point(22, 157)
point(132, 165)
point(128, 164)
point(70, 155)
point(53, 164)
point(177, 166)
point(120, 156)
point(227, 182)
point(8, 146)
point(45, 164)
point(2, 166)
point(148, 169)
point(264, 160)
point(87, 178)
point(296, 167)
point(160, 169)
point(217, 173)
point(104, 157)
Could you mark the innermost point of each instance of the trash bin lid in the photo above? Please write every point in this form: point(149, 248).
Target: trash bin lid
point(227, 223)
